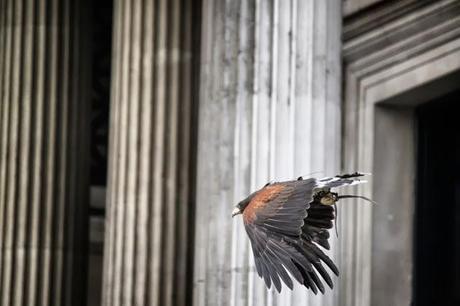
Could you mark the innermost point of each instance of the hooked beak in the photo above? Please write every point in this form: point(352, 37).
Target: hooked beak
point(236, 211)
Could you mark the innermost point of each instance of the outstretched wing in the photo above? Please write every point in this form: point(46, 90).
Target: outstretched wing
point(274, 220)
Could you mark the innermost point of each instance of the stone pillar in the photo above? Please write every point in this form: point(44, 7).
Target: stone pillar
point(43, 153)
point(270, 109)
point(149, 189)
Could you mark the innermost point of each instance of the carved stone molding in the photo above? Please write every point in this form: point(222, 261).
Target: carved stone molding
point(383, 12)
point(392, 64)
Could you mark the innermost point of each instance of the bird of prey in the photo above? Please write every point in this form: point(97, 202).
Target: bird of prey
point(288, 222)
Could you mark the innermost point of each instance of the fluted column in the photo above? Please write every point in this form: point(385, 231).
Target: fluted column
point(43, 153)
point(147, 229)
point(269, 110)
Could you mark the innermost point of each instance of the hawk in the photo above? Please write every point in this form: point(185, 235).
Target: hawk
point(288, 223)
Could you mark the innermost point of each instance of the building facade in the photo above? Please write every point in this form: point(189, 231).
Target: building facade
point(130, 129)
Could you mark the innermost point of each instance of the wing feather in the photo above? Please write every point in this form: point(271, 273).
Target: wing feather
point(288, 262)
point(274, 261)
point(274, 220)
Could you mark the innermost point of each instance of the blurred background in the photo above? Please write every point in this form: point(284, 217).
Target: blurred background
point(129, 130)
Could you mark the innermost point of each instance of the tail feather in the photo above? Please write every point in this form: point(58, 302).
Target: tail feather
point(342, 180)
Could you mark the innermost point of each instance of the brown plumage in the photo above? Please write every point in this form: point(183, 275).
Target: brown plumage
point(264, 196)
point(287, 224)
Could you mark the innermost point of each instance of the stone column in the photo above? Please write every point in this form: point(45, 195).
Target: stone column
point(43, 153)
point(149, 182)
point(270, 109)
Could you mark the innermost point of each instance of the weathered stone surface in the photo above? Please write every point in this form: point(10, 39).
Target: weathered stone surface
point(269, 110)
point(43, 152)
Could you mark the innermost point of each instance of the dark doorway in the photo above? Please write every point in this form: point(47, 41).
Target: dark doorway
point(437, 213)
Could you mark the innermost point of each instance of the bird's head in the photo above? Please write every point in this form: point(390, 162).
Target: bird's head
point(241, 206)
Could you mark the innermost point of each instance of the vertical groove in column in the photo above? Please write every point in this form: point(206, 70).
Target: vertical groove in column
point(50, 156)
point(61, 136)
point(38, 137)
point(135, 112)
point(132, 89)
point(11, 192)
point(3, 52)
point(24, 164)
point(145, 126)
point(171, 124)
point(36, 158)
point(120, 131)
point(148, 172)
point(185, 135)
point(158, 152)
point(111, 215)
point(6, 72)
